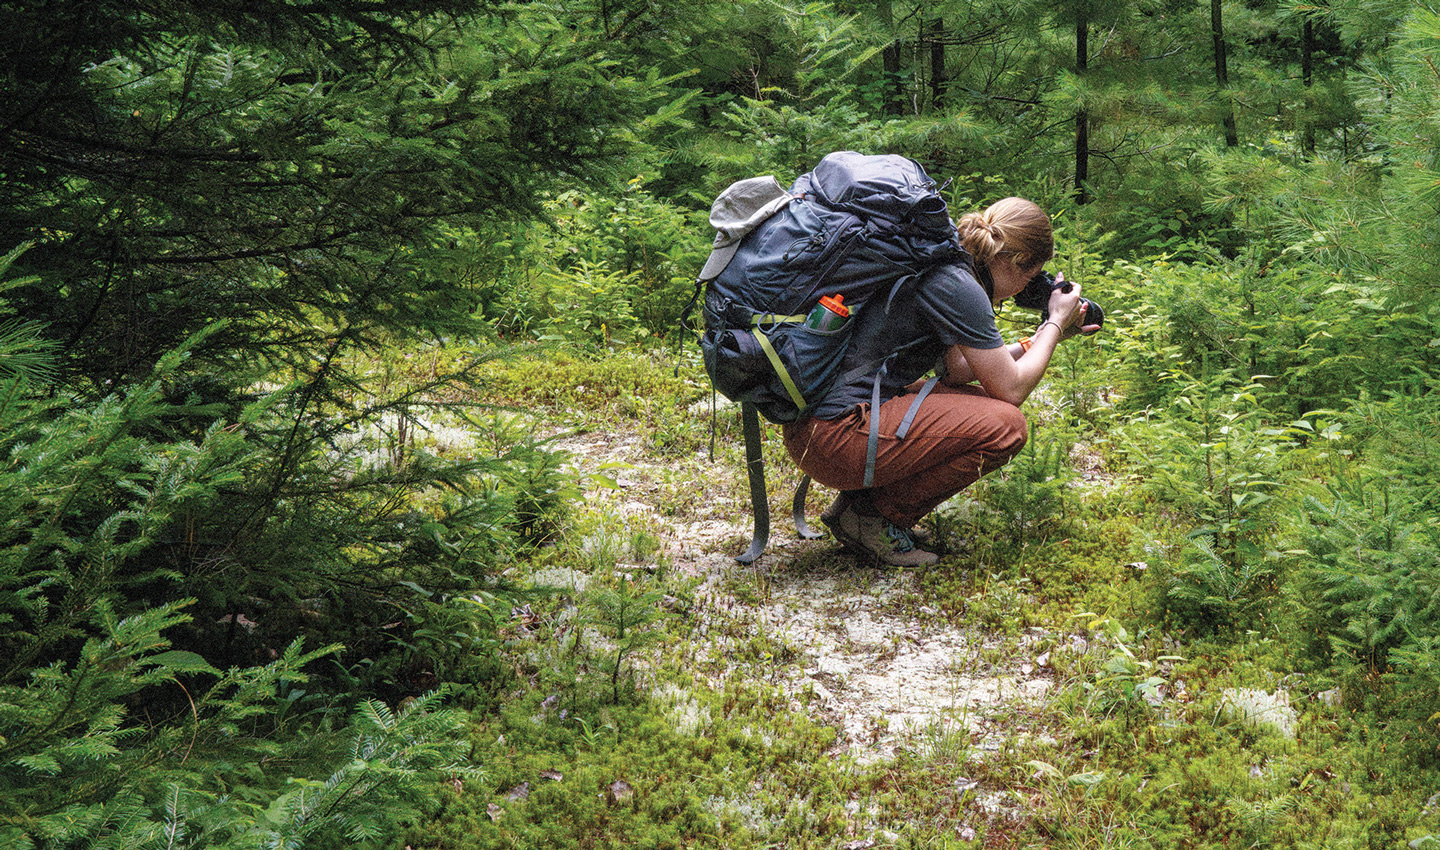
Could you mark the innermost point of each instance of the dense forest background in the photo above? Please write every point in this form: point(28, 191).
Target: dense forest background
point(256, 253)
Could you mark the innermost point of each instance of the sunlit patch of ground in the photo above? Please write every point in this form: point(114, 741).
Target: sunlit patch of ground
point(885, 679)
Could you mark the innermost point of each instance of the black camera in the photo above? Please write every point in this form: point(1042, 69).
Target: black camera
point(1036, 296)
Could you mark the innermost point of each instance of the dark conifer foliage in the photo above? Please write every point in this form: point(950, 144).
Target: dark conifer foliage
point(260, 184)
point(229, 208)
point(179, 163)
point(237, 240)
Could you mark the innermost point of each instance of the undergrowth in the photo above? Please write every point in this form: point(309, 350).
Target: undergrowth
point(653, 707)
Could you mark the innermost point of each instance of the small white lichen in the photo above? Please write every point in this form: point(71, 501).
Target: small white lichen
point(686, 715)
point(562, 578)
point(1260, 710)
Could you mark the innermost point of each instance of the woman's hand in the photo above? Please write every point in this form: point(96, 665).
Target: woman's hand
point(1068, 311)
point(1065, 305)
point(1012, 380)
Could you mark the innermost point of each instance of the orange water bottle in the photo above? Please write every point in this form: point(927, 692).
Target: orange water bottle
point(830, 314)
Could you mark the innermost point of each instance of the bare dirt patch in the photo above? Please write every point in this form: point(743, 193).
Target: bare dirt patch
point(884, 676)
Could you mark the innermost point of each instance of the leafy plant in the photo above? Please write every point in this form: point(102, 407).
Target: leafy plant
point(590, 305)
point(1023, 504)
point(1125, 684)
point(1370, 585)
point(1217, 460)
point(81, 769)
point(624, 612)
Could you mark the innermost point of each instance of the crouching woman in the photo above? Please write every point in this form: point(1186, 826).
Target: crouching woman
point(969, 423)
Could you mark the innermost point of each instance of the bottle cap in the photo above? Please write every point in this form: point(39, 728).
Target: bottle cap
point(835, 304)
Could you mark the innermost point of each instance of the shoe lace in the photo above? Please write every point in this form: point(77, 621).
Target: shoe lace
point(900, 538)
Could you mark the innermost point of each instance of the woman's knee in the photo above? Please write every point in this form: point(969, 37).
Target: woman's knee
point(1013, 431)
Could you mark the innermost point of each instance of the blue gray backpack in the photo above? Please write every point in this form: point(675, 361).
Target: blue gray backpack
point(856, 226)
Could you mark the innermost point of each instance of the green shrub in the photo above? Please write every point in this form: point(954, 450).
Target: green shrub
point(1216, 459)
point(82, 768)
point(600, 270)
point(1370, 583)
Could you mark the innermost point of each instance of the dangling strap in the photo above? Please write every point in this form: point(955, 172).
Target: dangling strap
point(797, 507)
point(915, 408)
point(755, 472)
point(872, 445)
point(694, 298)
point(714, 421)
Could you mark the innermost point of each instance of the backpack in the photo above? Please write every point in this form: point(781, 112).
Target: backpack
point(856, 226)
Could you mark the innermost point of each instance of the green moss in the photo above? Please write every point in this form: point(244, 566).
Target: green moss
point(717, 754)
point(630, 384)
point(644, 780)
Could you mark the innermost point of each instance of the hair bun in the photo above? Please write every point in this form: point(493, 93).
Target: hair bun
point(979, 236)
point(1013, 225)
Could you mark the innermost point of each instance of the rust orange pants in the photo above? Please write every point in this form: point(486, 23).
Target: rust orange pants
point(958, 435)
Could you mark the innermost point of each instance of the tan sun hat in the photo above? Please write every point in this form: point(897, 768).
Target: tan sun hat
point(739, 210)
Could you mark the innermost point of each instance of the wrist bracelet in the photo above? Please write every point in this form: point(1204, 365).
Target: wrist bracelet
point(1025, 343)
point(1051, 322)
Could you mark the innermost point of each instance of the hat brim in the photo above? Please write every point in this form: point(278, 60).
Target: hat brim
point(719, 259)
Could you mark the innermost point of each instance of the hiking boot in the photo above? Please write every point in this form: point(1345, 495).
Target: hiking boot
point(831, 515)
point(843, 501)
point(878, 537)
point(844, 525)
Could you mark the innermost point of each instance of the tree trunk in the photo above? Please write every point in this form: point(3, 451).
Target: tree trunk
point(1082, 117)
point(890, 59)
point(1222, 74)
point(937, 63)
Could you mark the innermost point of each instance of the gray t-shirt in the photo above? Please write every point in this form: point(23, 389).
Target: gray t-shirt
point(945, 306)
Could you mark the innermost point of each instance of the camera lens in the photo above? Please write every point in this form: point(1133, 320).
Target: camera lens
point(1036, 296)
point(1093, 314)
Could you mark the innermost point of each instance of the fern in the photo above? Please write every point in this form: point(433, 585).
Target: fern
point(75, 775)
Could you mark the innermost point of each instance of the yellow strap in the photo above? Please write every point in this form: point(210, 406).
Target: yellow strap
point(773, 319)
point(790, 387)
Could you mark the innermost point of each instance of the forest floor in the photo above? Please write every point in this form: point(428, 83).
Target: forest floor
point(887, 671)
point(977, 702)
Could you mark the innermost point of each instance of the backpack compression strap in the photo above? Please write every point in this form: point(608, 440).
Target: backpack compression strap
point(774, 357)
point(872, 444)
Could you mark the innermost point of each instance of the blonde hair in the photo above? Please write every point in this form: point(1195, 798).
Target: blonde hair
point(1011, 226)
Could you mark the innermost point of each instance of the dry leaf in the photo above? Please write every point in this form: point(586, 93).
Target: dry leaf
point(619, 791)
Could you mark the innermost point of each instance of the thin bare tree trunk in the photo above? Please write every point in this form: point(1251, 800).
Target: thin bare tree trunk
point(1082, 117)
point(938, 79)
point(1222, 73)
point(890, 59)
